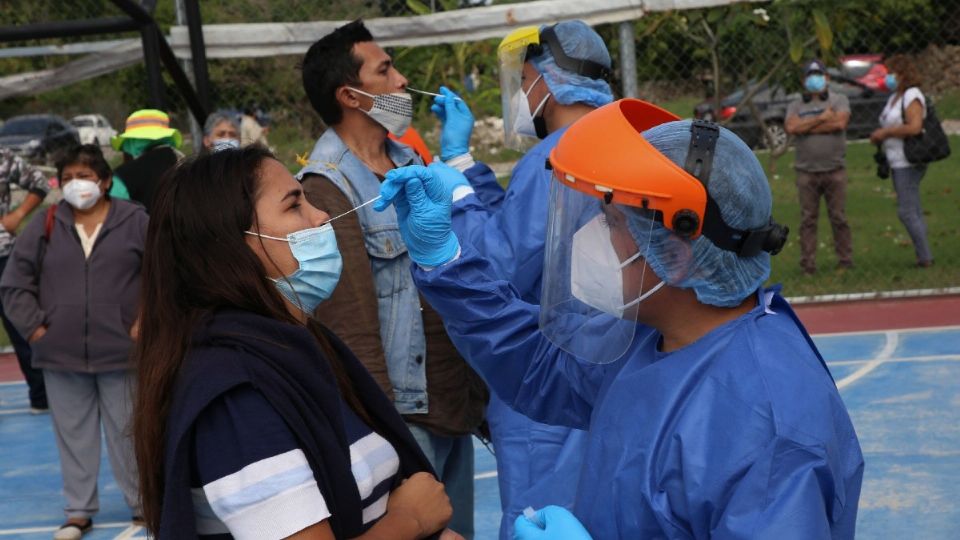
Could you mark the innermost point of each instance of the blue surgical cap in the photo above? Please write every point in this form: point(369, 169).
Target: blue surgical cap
point(739, 186)
point(581, 42)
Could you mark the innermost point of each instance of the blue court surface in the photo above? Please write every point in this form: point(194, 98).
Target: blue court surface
point(902, 389)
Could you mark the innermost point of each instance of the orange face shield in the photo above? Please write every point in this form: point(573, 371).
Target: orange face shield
point(604, 155)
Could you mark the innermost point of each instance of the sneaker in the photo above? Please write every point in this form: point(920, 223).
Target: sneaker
point(72, 530)
point(138, 521)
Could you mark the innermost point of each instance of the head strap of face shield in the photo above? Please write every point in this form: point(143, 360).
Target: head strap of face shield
point(745, 243)
point(587, 68)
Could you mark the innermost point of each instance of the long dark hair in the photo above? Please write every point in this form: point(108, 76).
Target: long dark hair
point(196, 262)
point(906, 70)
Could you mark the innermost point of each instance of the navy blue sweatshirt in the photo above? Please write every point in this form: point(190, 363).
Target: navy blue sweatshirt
point(285, 363)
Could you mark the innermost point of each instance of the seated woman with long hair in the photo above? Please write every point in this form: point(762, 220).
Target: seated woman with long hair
point(252, 420)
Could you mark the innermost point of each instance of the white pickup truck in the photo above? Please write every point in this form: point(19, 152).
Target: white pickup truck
point(93, 129)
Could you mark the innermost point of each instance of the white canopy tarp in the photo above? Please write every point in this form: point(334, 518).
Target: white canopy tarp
point(273, 39)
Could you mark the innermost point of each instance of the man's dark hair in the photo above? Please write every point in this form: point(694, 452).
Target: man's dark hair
point(330, 64)
point(88, 155)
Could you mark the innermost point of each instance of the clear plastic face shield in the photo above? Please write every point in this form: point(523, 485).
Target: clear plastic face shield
point(595, 278)
point(512, 54)
point(614, 204)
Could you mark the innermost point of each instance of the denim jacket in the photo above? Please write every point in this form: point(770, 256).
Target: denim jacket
point(398, 301)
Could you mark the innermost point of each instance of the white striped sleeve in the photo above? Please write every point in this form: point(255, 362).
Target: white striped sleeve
point(271, 498)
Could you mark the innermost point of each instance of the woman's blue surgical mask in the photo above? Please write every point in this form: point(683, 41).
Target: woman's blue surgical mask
point(891, 82)
point(316, 251)
point(815, 83)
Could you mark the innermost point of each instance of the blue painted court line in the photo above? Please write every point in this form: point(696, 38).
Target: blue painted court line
point(902, 389)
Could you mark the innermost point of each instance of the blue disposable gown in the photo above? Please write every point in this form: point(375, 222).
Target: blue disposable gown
point(741, 434)
point(537, 463)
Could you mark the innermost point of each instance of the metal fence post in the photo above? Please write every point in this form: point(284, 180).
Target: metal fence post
point(151, 59)
point(628, 60)
point(195, 132)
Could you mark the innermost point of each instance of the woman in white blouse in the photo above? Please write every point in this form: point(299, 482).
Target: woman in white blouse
point(903, 117)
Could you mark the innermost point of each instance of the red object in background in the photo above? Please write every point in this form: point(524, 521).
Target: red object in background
point(413, 139)
point(867, 69)
point(727, 112)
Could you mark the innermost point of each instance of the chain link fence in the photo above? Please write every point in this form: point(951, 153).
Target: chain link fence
point(737, 63)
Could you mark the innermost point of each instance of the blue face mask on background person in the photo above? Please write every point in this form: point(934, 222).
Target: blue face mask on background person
point(890, 81)
point(815, 83)
point(316, 251)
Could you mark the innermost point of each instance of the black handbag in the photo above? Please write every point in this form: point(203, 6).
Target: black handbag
point(931, 144)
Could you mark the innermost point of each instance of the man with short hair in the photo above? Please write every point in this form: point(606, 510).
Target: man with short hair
point(14, 170)
point(818, 121)
point(376, 309)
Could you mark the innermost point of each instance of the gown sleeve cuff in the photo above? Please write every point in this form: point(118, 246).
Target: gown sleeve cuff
point(461, 162)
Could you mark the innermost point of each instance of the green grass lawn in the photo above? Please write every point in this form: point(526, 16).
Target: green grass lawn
point(682, 106)
point(883, 255)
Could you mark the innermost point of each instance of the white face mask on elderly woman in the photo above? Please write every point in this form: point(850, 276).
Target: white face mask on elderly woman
point(81, 194)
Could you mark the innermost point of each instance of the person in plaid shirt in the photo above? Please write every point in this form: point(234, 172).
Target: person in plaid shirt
point(14, 170)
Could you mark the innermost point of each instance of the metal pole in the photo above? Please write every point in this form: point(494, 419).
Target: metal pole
point(151, 58)
point(195, 132)
point(628, 60)
point(198, 52)
point(67, 28)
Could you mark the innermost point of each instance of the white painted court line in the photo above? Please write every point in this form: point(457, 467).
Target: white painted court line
point(128, 532)
point(13, 383)
point(902, 360)
point(29, 530)
point(873, 295)
point(15, 411)
point(893, 338)
point(485, 475)
point(921, 330)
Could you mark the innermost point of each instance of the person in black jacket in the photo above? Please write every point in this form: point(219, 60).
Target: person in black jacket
point(252, 420)
point(72, 287)
point(149, 147)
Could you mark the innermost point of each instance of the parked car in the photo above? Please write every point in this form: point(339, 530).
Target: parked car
point(37, 137)
point(93, 129)
point(865, 68)
point(771, 103)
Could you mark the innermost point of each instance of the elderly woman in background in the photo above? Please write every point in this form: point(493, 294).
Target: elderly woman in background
point(903, 117)
point(221, 129)
point(72, 286)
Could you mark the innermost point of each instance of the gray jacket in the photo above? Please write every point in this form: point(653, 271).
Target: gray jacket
point(87, 304)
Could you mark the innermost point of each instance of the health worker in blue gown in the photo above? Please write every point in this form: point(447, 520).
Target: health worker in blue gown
point(709, 411)
point(549, 77)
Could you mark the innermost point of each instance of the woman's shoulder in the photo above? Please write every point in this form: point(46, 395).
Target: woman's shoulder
point(128, 207)
point(912, 94)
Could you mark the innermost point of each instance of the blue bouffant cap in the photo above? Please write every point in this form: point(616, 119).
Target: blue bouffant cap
point(581, 42)
point(739, 187)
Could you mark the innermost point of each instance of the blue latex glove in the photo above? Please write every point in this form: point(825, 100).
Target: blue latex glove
point(423, 211)
point(558, 524)
point(450, 177)
point(457, 121)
